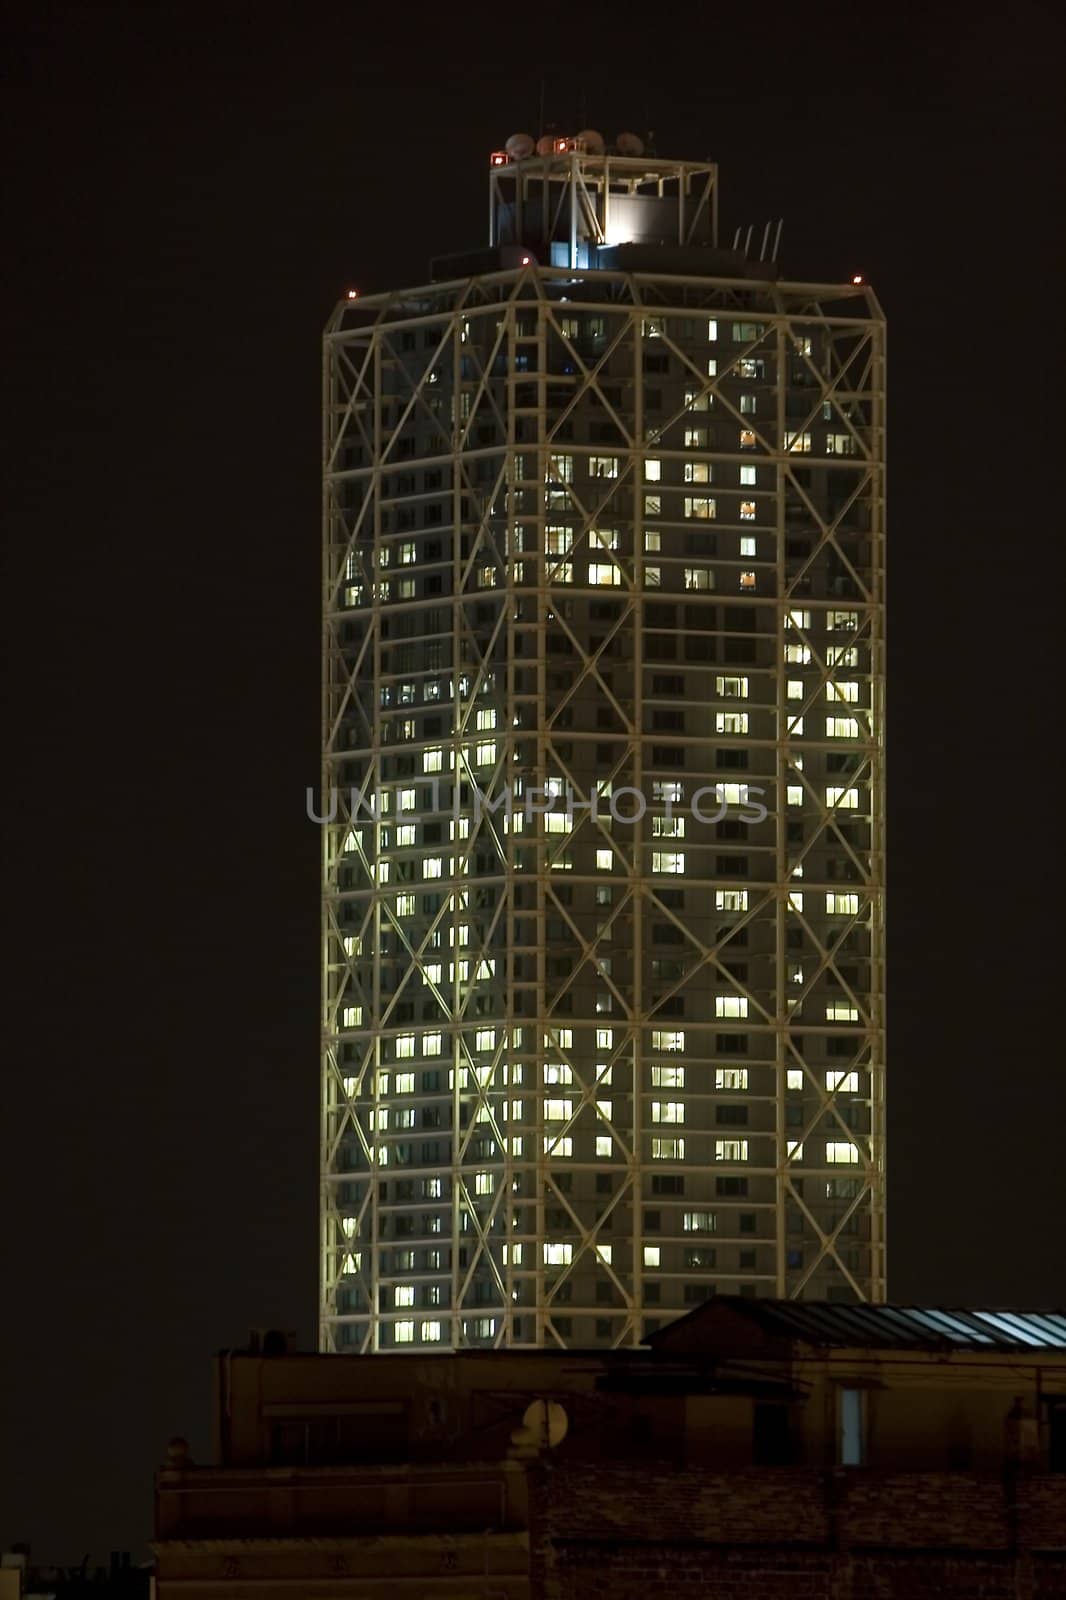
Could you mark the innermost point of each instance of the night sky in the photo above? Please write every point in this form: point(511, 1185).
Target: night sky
point(188, 192)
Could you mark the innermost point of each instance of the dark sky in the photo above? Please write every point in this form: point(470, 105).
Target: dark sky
point(188, 191)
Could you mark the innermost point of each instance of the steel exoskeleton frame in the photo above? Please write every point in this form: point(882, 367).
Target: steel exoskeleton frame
point(514, 501)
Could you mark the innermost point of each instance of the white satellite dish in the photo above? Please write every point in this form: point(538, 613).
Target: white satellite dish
point(592, 141)
point(545, 145)
point(519, 146)
point(629, 144)
point(547, 1422)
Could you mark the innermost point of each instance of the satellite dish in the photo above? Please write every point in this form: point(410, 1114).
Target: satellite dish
point(592, 141)
point(629, 145)
point(545, 145)
point(548, 1422)
point(519, 146)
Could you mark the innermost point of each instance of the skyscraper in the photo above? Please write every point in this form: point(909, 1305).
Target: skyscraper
point(603, 713)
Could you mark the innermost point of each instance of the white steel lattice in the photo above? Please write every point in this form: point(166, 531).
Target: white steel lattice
point(602, 532)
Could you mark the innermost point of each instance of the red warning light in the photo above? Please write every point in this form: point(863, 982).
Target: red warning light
point(353, 294)
point(499, 158)
point(857, 278)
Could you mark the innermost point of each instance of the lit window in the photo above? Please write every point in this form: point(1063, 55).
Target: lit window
point(668, 861)
point(730, 1005)
point(605, 1252)
point(558, 1072)
point(746, 332)
point(747, 545)
point(841, 728)
point(653, 469)
point(668, 1149)
point(604, 1144)
point(557, 541)
point(795, 688)
point(408, 554)
point(842, 621)
point(798, 655)
point(747, 580)
point(839, 444)
point(405, 589)
point(653, 542)
point(843, 799)
point(731, 722)
point(431, 1332)
point(699, 472)
point(699, 578)
point(842, 1082)
point(747, 405)
point(795, 727)
point(405, 835)
point(749, 476)
point(559, 1146)
point(603, 538)
point(794, 1149)
point(668, 1111)
point(603, 466)
point(665, 1039)
point(695, 438)
point(652, 1255)
point(700, 506)
point(730, 899)
point(486, 578)
point(842, 904)
point(794, 1078)
point(840, 1011)
point(731, 1077)
point(798, 619)
point(700, 1222)
point(842, 1153)
point(433, 760)
point(604, 572)
point(433, 867)
point(652, 327)
point(404, 1295)
point(747, 438)
point(847, 693)
point(798, 443)
point(405, 1046)
point(485, 753)
point(352, 1017)
point(747, 511)
point(404, 1332)
point(653, 577)
point(730, 1149)
point(712, 367)
point(653, 505)
point(668, 827)
point(712, 328)
point(558, 1110)
point(486, 718)
point(604, 860)
point(795, 900)
point(732, 688)
point(668, 1077)
point(483, 1183)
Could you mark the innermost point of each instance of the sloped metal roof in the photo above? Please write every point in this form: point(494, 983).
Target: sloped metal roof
point(894, 1327)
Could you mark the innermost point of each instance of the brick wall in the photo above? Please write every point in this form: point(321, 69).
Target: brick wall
point(793, 1534)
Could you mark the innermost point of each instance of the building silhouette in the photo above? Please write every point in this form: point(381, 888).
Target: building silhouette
point(603, 845)
point(754, 1447)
